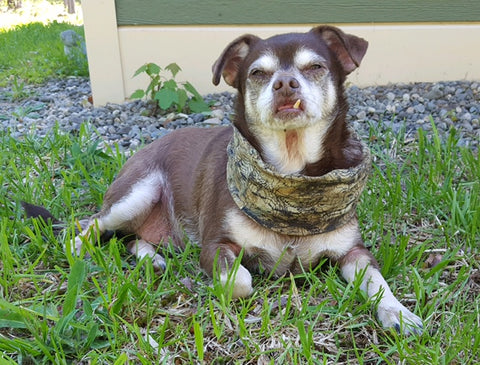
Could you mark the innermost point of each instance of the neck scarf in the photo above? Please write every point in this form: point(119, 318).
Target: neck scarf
point(293, 204)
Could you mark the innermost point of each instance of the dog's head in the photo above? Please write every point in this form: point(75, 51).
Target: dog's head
point(289, 81)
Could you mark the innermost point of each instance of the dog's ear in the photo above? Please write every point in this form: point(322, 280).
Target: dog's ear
point(348, 48)
point(228, 63)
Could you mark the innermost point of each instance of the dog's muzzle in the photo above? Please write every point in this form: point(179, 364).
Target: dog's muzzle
point(296, 205)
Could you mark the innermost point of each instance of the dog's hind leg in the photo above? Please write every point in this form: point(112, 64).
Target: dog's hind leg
point(141, 248)
point(131, 210)
point(159, 227)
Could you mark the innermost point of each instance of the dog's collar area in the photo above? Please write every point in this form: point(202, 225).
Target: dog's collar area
point(296, 205)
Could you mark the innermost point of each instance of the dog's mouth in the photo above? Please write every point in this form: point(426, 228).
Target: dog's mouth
point(291, 106)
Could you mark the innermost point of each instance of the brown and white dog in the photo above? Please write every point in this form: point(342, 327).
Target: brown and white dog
point(291, 108)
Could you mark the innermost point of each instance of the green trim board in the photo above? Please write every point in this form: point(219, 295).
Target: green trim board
point(235, 12)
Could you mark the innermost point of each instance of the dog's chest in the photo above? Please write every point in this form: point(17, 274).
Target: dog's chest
point(281, 253)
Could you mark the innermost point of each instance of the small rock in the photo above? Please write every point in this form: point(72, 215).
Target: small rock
point(442, 112)
point(134, 132)
point(134, 143)
point(198, 118)
point(459, 92)
point(362, 115)
point(420, 108)
point(435, 93)
point(467, 126)
point(467, 117)
point(125, 130)
point(212, 121)
point(217, 113)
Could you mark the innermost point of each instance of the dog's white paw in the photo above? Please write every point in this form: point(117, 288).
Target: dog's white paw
point(158, 262)
point(77, 245)
point(141, 248)
point(241, 284)
point(397, 316)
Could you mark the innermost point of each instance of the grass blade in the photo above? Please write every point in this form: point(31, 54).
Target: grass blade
point(75, 282)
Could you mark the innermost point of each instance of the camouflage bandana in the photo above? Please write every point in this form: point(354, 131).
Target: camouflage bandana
point(295, 204)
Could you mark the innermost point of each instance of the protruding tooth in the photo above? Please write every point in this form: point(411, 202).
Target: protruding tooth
point(297, 104)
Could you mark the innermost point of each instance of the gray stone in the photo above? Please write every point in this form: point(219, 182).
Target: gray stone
point(420, 108)
point(361, 115)
point(434, 93)
point(64, 101)
point(212, 121)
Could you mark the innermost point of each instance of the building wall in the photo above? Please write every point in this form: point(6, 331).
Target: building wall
point(411, 42)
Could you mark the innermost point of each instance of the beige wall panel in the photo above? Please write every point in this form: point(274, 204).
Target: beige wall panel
point(416, 53)
point(397, 53)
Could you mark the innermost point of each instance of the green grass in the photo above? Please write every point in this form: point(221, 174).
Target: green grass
point(420, 214)
point(33, 53)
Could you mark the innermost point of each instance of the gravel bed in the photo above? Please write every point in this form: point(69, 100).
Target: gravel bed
point(66, 102)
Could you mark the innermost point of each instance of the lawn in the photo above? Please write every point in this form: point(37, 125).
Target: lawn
point(31, 50)
point(420, 215)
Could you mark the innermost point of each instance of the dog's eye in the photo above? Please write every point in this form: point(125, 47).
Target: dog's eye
point(314, 67)
point(257, 73)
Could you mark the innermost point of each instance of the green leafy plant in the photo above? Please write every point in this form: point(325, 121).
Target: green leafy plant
point(22, 112)
point(167, 93)
point(18, 89)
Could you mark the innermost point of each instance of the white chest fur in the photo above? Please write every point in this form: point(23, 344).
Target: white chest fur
point(280, 252)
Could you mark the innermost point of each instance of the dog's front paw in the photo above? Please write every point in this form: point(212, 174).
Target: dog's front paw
point(400, 318)
point(239, 281)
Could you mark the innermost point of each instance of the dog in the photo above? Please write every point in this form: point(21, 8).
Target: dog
point(290, 117)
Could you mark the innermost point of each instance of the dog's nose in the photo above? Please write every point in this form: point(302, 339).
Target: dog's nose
point(286, 83)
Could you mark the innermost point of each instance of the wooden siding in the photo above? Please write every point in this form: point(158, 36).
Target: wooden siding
point(245, 12)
